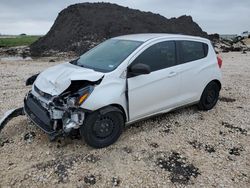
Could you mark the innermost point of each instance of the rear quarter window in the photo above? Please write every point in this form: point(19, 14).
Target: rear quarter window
point(191, 51)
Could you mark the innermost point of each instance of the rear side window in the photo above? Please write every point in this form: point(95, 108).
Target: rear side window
point(191, 51)
point(159, 56)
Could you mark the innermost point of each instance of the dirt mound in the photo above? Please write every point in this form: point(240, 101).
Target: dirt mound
point(82, 26)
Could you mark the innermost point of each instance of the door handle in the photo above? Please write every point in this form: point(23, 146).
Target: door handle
point(172, 74)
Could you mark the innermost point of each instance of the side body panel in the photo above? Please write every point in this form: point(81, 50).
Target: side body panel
point(195, 75)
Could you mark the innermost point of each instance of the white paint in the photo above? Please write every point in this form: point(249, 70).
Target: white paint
point(56, 79)
point(157, 92)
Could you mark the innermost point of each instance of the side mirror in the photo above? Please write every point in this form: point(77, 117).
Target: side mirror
point(138, 69)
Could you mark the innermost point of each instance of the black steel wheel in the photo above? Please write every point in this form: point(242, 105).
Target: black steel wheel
point(209, 96)
point(102, 129)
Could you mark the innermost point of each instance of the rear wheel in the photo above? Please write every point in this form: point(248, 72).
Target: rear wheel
point(209, 96)
point(102, 129)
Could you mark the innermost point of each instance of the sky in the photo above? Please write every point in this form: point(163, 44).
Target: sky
point(214, 16)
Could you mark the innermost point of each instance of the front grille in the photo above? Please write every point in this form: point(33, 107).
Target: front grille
point(39, 115)
point(42, 94)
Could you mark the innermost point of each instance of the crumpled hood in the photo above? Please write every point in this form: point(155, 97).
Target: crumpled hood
point(58, 78)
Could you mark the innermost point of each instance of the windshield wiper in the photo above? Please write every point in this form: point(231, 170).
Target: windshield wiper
point(74, 62)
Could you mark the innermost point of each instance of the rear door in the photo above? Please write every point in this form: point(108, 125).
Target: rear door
point(159, 90)
point(194, 67)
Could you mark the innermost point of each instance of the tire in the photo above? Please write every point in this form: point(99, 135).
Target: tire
point(102, 129)
point(209, 96)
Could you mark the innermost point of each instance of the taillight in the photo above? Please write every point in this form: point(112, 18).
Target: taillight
point(219, 60)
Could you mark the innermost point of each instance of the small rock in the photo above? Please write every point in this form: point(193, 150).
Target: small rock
point(92, 158)
point(29, 156)
point(154, 145)
point(227, 99)
point(167, 130)
point(6, 141)
point(90, 180)
point(235, 151)
point(127, 149)
point(52, 60)
point(116, 181)
point(209, 148)
point(29, 137)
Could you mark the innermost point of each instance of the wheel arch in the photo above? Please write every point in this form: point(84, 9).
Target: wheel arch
point(217, 82)
point(112, 107)
point(120, 107)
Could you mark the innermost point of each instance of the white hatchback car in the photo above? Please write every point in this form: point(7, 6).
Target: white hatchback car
point(123, 80)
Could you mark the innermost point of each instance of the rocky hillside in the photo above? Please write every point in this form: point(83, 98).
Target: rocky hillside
point(81, 26)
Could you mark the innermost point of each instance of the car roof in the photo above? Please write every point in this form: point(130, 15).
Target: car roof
point(143, 37)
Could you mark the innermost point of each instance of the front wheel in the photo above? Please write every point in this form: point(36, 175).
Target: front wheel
point(102, 129)
point(209, 96)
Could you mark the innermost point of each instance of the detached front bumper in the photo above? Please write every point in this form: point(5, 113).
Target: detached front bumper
point(9, 115)
point(39, 115)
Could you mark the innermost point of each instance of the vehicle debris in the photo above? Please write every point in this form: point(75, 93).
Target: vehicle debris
point(10, 115)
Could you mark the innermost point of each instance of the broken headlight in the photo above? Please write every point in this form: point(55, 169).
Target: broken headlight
point(80, 96)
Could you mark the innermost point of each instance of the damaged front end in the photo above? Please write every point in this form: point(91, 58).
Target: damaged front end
point(54, 103)
point(58, 115)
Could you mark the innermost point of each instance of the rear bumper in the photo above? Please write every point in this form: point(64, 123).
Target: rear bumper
point(38, 114)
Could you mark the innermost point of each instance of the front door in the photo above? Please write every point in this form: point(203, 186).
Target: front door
point(159, 90)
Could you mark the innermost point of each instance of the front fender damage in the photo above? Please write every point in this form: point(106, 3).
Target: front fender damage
point(10, 115)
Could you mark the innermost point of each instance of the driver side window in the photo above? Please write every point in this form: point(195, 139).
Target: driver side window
point(159, 56)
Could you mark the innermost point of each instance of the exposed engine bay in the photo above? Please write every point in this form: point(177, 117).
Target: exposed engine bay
point(58, 115)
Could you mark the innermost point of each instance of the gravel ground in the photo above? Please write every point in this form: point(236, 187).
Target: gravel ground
point(184, 148)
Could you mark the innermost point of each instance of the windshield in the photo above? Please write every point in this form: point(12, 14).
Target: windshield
point(108, 55)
